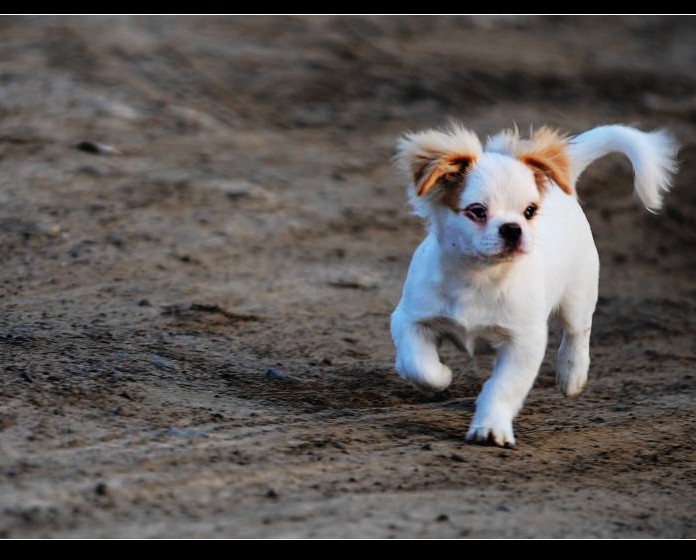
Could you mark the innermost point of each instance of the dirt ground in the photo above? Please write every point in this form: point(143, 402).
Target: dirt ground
point(248, 218)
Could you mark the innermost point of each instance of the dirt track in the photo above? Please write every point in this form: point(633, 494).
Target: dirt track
point(251, 220)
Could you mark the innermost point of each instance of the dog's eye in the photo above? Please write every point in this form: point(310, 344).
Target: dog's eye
point(476, 212)
point(530, 211)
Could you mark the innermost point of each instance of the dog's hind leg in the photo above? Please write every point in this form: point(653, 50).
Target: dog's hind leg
point(576, 310)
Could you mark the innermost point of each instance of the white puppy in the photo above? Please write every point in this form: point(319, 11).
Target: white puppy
point(507, 246)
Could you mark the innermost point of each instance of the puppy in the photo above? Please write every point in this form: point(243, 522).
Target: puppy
point(508, 245)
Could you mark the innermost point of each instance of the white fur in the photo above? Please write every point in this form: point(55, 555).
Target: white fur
point(651, 155)
point(462, 285)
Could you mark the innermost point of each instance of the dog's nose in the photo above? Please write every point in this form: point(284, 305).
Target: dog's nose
point(510, 232)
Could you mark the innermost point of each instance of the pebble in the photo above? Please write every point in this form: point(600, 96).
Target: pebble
point(159, 362)
point(47, 228)
point(239, 189)
point(272, 373)
point(118, 240)
point(354, 280)
point(96, 148)
point(277, 375)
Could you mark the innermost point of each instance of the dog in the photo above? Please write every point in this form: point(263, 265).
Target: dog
point(508, 246)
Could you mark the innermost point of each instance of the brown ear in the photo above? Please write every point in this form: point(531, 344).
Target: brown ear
point(428, 172)
point(435, 158)
point(545, 153)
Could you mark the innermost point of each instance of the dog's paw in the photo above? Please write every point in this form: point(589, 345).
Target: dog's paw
point(571, 376)
point(573, 365)
point(490, 435)
point(571, 383)
point(434, 380)
point(494, 431)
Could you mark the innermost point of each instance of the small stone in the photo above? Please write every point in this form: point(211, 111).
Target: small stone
point(159, 362)
point(353, 280)
point(96, 148)
point(101, 489)
point(47, 228)
point(116, 239)
point(277, 375)
point(238, 190)
point(272, 373)
point(236, 194)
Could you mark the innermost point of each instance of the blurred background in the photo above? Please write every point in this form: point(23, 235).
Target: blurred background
point(202, 237)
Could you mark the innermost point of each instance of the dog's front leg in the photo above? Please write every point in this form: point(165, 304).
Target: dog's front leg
point(416, 355)
point(516, 367)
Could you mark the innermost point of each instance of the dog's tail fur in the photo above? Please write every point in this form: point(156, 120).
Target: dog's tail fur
point(652, 156)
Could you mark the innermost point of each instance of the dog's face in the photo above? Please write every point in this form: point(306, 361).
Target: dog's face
point(493, 216)
point(483, 204)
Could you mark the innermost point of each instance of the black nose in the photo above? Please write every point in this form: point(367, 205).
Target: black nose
point(510, 232)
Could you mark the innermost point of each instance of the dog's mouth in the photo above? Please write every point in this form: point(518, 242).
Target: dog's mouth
point(507, 254)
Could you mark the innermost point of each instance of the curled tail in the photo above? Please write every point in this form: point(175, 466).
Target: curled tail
point(652, 156)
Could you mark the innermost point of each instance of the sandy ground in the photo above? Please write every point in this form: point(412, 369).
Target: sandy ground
point(249, 218)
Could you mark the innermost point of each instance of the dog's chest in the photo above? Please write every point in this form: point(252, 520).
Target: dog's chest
point(471, 317)
point(474, 309)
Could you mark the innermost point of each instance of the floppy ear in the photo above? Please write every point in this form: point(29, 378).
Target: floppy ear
point(436, 158)
point(545, 153)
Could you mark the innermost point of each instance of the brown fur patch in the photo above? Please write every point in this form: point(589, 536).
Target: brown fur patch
point(449, 171)
point(437, 160)
point(545, 153)
point(453, 191)
point(429, 176)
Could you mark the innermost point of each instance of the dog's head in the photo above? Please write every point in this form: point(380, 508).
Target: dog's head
point(483, 202)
